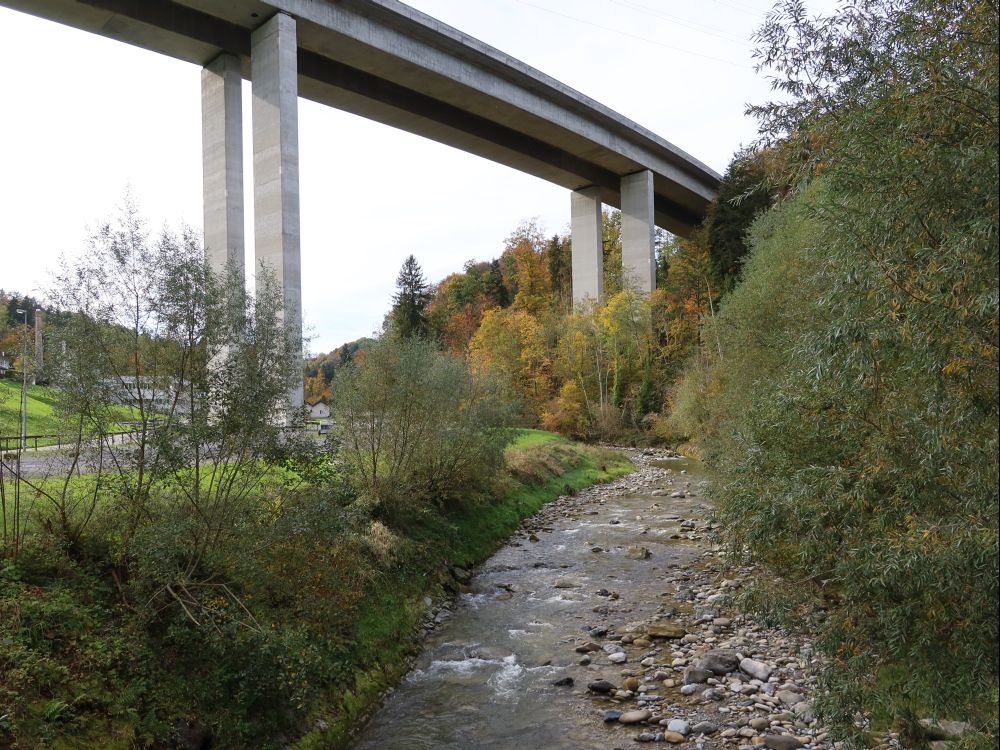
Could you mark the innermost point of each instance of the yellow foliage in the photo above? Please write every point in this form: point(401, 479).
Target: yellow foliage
point(510, 344)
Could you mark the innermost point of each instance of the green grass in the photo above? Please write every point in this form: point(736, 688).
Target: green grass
point(527, 437)
point(42, 416)
point(42, 419)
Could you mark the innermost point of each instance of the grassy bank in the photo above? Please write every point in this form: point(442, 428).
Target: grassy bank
point(43, 417)
point(41, 420)
point(98, 655)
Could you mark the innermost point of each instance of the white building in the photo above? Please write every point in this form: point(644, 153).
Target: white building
point(318, 409)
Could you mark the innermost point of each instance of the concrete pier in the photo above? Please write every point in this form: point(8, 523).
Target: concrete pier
point(588, 246)
point(638, 232)
point(274, 77)
point(222, 161)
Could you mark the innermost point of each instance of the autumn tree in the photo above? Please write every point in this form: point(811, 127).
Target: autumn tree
point(510, 345)
point(611, 244)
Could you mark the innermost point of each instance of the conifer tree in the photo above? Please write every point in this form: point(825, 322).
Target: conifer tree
point(409, 308)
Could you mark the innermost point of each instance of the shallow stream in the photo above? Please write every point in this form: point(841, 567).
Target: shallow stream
point(485, 677)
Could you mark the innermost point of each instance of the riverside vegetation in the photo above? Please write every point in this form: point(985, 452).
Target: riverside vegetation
point(826, 342)
point(216, 579)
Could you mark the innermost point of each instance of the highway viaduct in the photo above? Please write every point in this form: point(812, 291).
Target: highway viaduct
point(388, 62)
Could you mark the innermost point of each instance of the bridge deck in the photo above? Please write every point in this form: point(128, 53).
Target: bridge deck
point(388, 62)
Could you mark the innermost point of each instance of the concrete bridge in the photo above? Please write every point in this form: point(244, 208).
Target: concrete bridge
point(388, 62)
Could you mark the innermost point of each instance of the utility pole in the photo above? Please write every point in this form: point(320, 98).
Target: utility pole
point(24, 381)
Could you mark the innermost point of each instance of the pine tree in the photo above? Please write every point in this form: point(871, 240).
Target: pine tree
point(496, 290)
point(409, 309)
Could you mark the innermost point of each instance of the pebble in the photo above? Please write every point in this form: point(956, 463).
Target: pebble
point(782, 742)
point(680, 726)
point(600, 686)
point(634, 717)
point(757, 669)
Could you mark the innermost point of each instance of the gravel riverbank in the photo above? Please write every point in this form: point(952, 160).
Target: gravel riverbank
point(604, 622)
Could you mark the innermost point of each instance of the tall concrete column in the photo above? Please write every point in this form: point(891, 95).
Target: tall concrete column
point(273, 66)
point(222, 161)
point(638, 231)
point(588, 246)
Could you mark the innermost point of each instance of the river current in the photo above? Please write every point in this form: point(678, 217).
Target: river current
point(485, 679)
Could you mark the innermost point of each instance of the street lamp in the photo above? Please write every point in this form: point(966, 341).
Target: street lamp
point(24, 381)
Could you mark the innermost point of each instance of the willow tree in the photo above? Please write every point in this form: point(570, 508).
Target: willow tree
point(867, 462)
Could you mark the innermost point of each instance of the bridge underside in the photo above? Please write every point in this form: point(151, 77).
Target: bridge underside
point(387, 62)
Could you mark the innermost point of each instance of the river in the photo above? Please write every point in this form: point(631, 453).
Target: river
point(485, 679)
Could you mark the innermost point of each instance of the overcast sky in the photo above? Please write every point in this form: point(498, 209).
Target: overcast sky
point(85, 118)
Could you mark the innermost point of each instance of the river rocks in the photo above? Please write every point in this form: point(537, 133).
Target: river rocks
point(710, 678)
point(636, 552)
point(705, 727)
point(566, 583)
point(804, 710)
point(943, 729)
point(665, 630)
point(600, 686)
point(697, 675)
point(634, 717)
point(782, 742)
point(719, 662)
point(461, 575)
point(757, 669)
point(788, 697)
point(680, 726)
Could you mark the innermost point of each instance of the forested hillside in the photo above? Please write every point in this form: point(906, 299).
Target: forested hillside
point(601, 371)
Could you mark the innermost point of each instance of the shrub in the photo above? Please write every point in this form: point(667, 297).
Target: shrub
point(416, 427)
point(856, 447)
